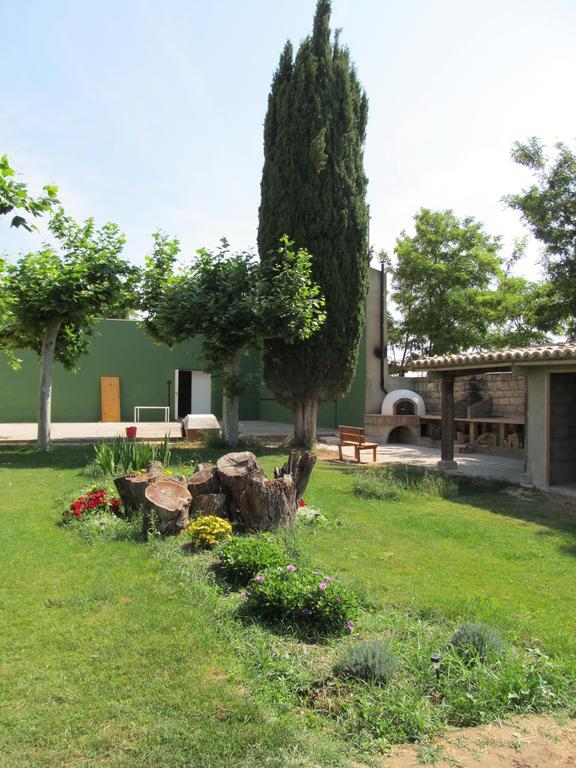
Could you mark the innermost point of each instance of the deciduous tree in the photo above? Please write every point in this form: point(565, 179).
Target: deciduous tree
point(54, 297)
point(548, 207)
point(14, 195)
point(232, 302)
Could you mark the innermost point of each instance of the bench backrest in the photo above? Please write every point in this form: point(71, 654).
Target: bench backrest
point(352, 434)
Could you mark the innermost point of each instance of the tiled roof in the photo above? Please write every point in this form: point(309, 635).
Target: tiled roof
point(498, 357)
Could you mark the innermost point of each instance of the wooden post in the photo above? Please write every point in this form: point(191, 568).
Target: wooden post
point(447, 450)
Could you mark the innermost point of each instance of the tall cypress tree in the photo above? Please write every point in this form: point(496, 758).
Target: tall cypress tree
point(314, 189)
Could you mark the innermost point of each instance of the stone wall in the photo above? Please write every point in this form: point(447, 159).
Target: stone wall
point(506, 390)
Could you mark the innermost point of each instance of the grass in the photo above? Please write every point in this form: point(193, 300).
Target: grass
point(107, 661)
point(113, 653)
point(482, 555)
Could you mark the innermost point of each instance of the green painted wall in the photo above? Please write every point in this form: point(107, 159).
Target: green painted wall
point(146, 370)
point(118, 348)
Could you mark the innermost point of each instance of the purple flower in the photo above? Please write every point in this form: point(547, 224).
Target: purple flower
point(350, 626)
point(306, 611)
point(290, 567)
point(322, 585)
point(328, 578)
point(245, 595)
point(259, 578)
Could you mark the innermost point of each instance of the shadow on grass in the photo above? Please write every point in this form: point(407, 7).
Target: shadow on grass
point(59, 457)
point(555, 513)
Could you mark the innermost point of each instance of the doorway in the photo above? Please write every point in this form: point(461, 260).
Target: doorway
point(562, 435)
point(193, 393)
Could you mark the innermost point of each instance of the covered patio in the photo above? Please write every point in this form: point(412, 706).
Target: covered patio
point(549, 422)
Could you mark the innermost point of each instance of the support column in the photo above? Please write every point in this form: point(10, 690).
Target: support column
point(447, 450)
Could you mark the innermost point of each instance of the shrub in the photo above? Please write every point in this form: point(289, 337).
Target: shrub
point(303, 600)
point(208, 530)
point(393, 482)
point(243, 558)
point(369, 660)
point(121, 456)
point(474, 641)
point(94, 502)
point(108, 527)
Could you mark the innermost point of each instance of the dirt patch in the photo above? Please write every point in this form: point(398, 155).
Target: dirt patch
point(532, 742)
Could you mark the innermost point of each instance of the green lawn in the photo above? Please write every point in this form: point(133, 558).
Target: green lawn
point(109, 658)
point(483, 555)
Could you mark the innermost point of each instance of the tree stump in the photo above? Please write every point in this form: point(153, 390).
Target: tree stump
point(169, 502)
point(204, 481)
point(261, 504)
point(210, 504)
point(131, 490)
point(299, 465)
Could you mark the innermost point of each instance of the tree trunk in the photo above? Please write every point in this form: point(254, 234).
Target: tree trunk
point(262, 504)
point(230, 406)
point(47, 352)
point(305, 417)
point(299, 466)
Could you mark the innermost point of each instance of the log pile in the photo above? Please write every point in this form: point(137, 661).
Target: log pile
point(236, 488)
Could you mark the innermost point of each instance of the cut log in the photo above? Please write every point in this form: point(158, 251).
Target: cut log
point(131, 490)
point(204, 481)
point(210, 504)
point(170, 502)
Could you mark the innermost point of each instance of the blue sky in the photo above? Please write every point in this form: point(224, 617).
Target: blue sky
point(150, 114)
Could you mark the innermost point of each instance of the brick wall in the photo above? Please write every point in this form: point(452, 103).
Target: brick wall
point(507, 391)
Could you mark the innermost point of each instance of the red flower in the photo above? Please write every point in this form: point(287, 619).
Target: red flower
point(302, 503)
point(76, 513)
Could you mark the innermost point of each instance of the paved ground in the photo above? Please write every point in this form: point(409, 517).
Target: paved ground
point(477, 465)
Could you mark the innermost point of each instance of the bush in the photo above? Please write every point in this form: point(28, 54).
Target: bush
point(208, 530)
point(393, 482)
point(474, 641)
point(243, 558)
point(303, 600)
point(214, 441)
point(369, 660)
point(93, 502)
point(108, 527)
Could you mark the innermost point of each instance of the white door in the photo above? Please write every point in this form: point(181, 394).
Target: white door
point(201, 392)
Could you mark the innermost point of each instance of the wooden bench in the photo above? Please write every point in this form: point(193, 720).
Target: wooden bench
point(355, 436)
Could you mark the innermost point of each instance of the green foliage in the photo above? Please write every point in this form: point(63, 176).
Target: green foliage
point(441, 279)
point(314, 188)
point(230, 300)
point(114, 458)
point(105, 526)
point(14, 195)
point(244, 557)
point(301, 601)
point(548, 208)
point(217, 441)
point(475, 641)
point(454, 291)
point(370, 660)
point(397, 481)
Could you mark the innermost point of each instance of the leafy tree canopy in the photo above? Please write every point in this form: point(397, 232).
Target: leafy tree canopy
point(548, 207)
point(72, 285)
point(14, 195)
point(454, 292)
